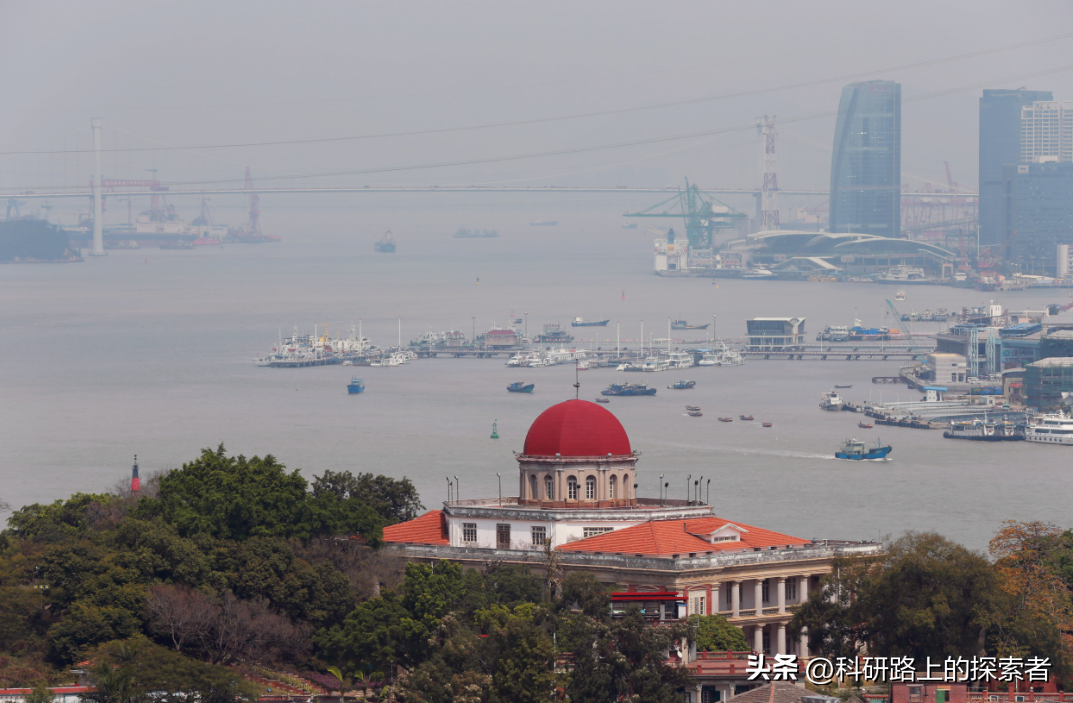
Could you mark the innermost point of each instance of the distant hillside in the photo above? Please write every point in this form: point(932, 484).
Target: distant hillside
point(34, 241)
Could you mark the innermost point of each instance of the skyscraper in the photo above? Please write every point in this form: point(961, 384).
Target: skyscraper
point(866, 166)
point(1041, 214)
point(1000, 144)
point(1047, 132)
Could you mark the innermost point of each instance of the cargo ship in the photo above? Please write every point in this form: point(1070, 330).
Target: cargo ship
point(683, 325)
point(521, 387)
point(386, 244)
point(628, 389)
point(580, 322)
point(464, 233)
point(856, 451)
point(553, 334)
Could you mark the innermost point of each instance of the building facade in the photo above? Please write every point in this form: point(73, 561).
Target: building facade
point(1047, 132)
point(866, 168)
point(1041, 206)
point(775, 333)
point(578, 510)
point(1000, 145)
point(1048, 381)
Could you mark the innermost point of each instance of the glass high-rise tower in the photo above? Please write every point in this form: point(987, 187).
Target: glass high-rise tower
point(866, 166)
point(1000, 145)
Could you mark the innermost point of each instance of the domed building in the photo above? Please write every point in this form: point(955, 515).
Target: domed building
point(577, 495)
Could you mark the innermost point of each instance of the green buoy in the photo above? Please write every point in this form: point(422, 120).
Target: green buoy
point(495, 435)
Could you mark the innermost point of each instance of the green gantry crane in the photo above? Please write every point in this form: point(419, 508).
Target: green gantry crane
point(702, 217)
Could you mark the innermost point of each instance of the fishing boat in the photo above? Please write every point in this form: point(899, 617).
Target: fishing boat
point(747, 418)
point(726, 419)
point(766, 424)
point(692, 407)
point(900, 295)
point(695, 413)
point(602, 400)
point(683, 325)
point(356, 385)
point(864, 426)
point(831, 401)
point(580, 322)
point(682, 385)
point(521, 387)
point(855, 450)
point(628, 389)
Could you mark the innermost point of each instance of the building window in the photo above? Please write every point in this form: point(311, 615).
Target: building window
point(540, 536)
point(767, 642)
point(590, 488)
point(916, 694)
point(593, 531)
point(730, 596)
point(791, 589)
point(696, 605)
point(765, 595)
point(611, 487)
point(502, 536)
point(549, 488)
point(571, 488)
point(533, 487)
point(469, 532)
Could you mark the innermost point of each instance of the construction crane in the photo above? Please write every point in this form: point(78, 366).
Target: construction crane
point(701, 216)
point(989, 259)
point(908, 325)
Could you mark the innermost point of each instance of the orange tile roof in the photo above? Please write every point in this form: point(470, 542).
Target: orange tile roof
point(669, 537)
point(430, 528)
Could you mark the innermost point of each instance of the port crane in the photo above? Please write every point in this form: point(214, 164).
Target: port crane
point(908, 325)
point(702, 216)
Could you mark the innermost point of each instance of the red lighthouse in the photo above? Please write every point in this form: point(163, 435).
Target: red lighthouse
point(135, 484)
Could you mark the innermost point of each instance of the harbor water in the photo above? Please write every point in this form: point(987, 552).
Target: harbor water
point(151, 353)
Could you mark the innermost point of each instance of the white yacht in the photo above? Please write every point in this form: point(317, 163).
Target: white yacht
point(680, 360)
point(1051, 428)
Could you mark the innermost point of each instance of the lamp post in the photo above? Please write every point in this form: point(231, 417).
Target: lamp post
point(500, 477)
point(699, 483)
point(696, 491)
point(458, 488)
point(708, 493)
point(448, 488)
point(688, 477)
point(661, 490)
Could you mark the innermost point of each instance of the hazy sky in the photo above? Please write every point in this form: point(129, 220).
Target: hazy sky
point(197, 73)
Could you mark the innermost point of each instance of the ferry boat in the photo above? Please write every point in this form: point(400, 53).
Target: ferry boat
point(628, 389)
point(758, 273)
point(1051, 428)
point(580, 322)
point(521, 387)
point(386, 244)
point(683, 325)
point(975, 429)
point(903, 274)
point(682, 385)
point(832, 401)
point(856, 451)
point(356, 385)
point(834, 333)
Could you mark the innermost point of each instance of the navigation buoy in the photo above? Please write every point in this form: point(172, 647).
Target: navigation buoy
point(495, 434)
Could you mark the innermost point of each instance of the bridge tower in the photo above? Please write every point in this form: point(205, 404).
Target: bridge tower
point(769, 194)
point(98, 216)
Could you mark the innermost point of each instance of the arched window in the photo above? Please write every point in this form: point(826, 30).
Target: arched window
point(532, 487)
point(590, 488)
point(549, 488)
point(625, 487)
point(611, 487)
point(571, 488)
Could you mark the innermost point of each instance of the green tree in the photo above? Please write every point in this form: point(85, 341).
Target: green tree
point(375, 636)
point(715, 634)
point(926, 596)
point(116, 681)
point(583, 590)
point(395, 500)
point(230, 497)
point(40, 694)
point(61, 518)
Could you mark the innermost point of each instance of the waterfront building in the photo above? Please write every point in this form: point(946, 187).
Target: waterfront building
point(1000, 145)
point(866, 170)
point(775, 333)
point(578, 505)
point(1047, 132)
point(1041, 206)
point(1048, 381)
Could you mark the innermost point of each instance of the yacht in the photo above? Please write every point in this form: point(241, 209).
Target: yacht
point(1051, 428)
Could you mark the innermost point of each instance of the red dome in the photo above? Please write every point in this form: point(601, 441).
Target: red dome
point(576, 428)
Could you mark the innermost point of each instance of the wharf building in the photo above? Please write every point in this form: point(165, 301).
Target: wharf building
point(578, 505)
point(866, 167)
point(1000, 145)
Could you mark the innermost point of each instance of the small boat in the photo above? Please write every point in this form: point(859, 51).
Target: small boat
point(856, 451)
point(683, 325)
point(602, 400)
point(864, 426)
point(682, 385)
point(726, 419)
point(583, 365)
point(521, 387)
point(766, 424)
point(849, 386)
point(692, 407)
point(580, 322)
point(356, 385)
point(900, 295)
point(695, 413)
point(745, 417)
point(386, 244)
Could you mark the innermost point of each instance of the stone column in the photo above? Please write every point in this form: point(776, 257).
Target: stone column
point(708, 599)
point(780, 641)
point(802, 646)
point(758, 638)
point(780, 590)
point(715, 604)
point(802, 589)
point(735, 598)
point(758, 596)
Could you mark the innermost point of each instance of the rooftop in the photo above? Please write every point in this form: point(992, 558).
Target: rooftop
point(774, 692)
point(576, 428)
point(430, 528)
point(1053, 361)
